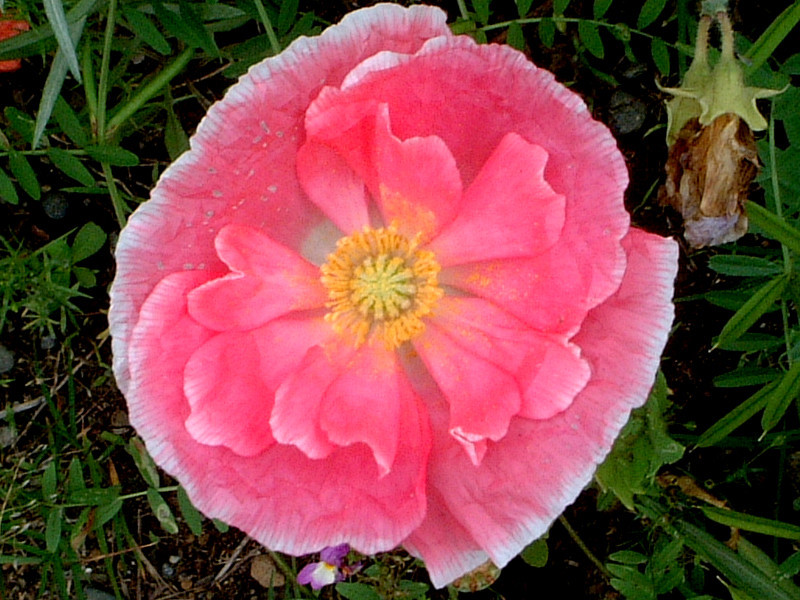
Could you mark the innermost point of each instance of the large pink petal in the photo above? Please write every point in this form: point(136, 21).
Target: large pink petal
point(241, 166)
point(267, 280)
point(295, 417)
point(509, 210)
point(415, 181)
point(326, 503)
point(323, 404)
point(230, 404)
point(523, 483)
point(548, 369)
point(371, 385)
point(482, 395)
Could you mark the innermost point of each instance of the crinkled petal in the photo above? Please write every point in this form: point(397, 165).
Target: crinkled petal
point(370, 384)
point(415, 181)
point(321, 406)
point(323, 506)
point(333, 186)
point(548, 369)
point(230, 404)
point(482, 395)
point(523, 483)
point(267, 280)
point(509, 210)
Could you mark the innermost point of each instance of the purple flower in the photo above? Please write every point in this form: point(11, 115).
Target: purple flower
point(328, 570)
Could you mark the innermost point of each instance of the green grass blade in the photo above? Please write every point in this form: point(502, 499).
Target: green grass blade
point(747, 522)
point(781, 397)
point(58, 21)
point(752, 310)
point(765, 45)
point(53, 84)
point(736, 418)
point(774, 226)
point(738, 571)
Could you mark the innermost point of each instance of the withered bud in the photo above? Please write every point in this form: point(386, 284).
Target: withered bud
point(709, 173)
point(712, 160)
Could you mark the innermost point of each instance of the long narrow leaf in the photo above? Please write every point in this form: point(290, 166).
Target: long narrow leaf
point(774, 226)
point(752, 310)
point(54, 83)
point(765, 45)
point(752, 523)
point(58, 21)
point(736, 418)
point(781, 397)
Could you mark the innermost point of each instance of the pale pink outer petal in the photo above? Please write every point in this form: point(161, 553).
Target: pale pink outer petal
point(473, 97)
point(414, 181)
point(541, 466)
point(241, 167)
point(509, 210)
point(267, 280)
point(303, 505)
point(228, 411)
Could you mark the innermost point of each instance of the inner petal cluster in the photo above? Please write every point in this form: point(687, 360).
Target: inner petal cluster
point(380, 282)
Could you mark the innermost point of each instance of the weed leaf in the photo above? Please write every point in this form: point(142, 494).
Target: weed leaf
point(26, 177)
point(650, 12)
point(8, 193)
point(113, 155)
point(775, 227)
point(779, 399)
point(600, 8)
point(162, 511)
point(58, 21)
point(752, 310)
point(145, 30)
point(523, 6)
point(731, 518)
point(190, 514)
point(52, 532)
point(70, 166)
point(660, 54)
point(590, 37)
point(515, 38)
point(357, 591)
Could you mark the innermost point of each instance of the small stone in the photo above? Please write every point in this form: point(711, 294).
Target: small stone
point(48, 342)
point(626, 113)
point(6, 359)
point(264, 571)
point(7, 436)
point(167, 570)
point(95, 594)
point(55, 205)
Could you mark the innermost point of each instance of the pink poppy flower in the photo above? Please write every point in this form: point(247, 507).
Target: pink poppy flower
point(390, 297)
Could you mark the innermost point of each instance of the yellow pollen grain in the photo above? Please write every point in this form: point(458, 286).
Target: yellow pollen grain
point(380, 282)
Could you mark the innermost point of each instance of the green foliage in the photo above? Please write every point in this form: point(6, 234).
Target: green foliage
point(641, 577)
point(641, 450)
point(42, 286)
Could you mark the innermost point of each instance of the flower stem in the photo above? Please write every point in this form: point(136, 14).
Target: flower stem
point(589, 554)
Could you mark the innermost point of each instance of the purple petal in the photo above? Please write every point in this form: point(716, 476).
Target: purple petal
point(334, 555)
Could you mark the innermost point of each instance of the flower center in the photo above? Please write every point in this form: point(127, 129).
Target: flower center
point(380, 281)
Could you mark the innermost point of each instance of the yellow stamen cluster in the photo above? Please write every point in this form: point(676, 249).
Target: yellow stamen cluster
point(379, 282)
